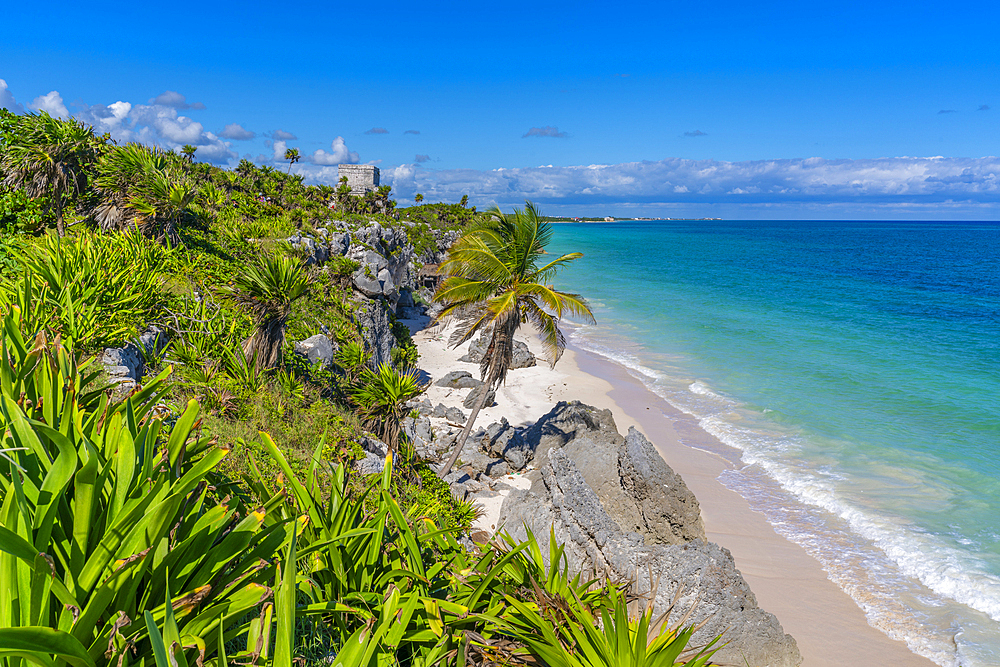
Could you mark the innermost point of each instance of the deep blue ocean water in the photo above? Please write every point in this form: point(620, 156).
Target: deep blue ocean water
point(856, 366)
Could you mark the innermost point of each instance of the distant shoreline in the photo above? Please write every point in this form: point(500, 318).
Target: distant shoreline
point(565, 221)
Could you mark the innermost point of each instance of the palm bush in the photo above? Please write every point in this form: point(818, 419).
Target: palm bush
point(143, 187)
point(578, 638)
point(382, 395)
point(108, 515)
point(267, 288)
point(48, 157)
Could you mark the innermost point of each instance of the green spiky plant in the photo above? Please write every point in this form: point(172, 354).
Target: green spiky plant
point(381, 396)
point(267, 288)
point(48, 157)
point(90, 289)
point(105, 511)
point(143, 187)
point(497, 281)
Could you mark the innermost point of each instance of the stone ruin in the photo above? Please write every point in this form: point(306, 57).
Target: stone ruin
point(362, 178)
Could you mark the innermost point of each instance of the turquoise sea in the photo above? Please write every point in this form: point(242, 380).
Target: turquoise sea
point(856, 368)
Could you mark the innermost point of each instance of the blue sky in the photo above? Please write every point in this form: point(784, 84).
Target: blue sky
point(689, 108)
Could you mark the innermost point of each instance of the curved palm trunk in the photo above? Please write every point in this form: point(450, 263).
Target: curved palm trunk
point(60, 224)
point(465, 434)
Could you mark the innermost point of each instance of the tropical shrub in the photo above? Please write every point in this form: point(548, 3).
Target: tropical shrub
point(108, 515)
point(143, 187)
point(92, 290)
point(48, 158)
point(381, 396)
point(267, 289)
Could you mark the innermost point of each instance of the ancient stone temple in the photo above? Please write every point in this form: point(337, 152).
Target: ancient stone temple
point(361, 177)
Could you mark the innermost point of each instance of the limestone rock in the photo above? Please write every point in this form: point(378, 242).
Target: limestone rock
point(376, 329)
point(472, 400)
point(711, 587)
point(667, 505)
point(504, 441)
point(458, 380)
point(340, 243)
point(317, 349)
point(628, 477)
point(523, 358)
point(124, 365)
point(453, 415)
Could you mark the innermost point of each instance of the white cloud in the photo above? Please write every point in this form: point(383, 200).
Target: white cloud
point(52, 103)
point(339, 154)
point(7, 100)
point(156, 125)
point(279, 150)
point(237, 132)
point(281, 135)
point(875, 182)
point(173, 99)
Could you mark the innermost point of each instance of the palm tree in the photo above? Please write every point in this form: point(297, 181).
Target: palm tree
point(142, 187)
point(292, 155)
point(46, 156)
point(268, 288)
point(188, 152)
point(418, 198)
point(494, 285)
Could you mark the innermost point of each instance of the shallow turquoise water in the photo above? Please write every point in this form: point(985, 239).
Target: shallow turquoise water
point(856, 365)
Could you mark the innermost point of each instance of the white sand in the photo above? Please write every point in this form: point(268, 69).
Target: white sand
point(831, 630)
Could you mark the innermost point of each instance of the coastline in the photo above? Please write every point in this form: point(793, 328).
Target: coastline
point(829, 627)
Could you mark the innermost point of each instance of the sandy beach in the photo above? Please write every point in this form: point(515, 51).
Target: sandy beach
point(827, 624)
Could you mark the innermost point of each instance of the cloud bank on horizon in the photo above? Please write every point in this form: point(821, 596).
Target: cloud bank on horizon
point(882, 181)
point(870, 184)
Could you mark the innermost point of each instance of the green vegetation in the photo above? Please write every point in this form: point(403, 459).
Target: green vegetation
point(211, 514)
point(495, 285)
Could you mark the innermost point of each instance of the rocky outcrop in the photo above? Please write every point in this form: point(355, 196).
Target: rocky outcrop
point(374, 460)
point(635, 485)
point(386, 257)
point(313, 249)
point(318, 350)
point(700, 575)
point(458, 380)
point(376, 331)
point(472, 400)
point(504, 441)
point(126, 365)
point(522, 358)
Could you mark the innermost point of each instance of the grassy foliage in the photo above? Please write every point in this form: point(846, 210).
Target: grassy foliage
point(92, 289)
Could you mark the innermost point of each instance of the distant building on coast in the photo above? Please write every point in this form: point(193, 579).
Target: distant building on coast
point(362, 178)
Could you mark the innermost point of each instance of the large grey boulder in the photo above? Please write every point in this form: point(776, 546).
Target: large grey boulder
point(453, 415)
point(472, 400)
point(668, 508)
point(377, 248)
point(318, 350)
point(417, 429)
point(503, 440)
point(458, 380)
point(522, 358)
point(635, 485)
point(702, 574)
